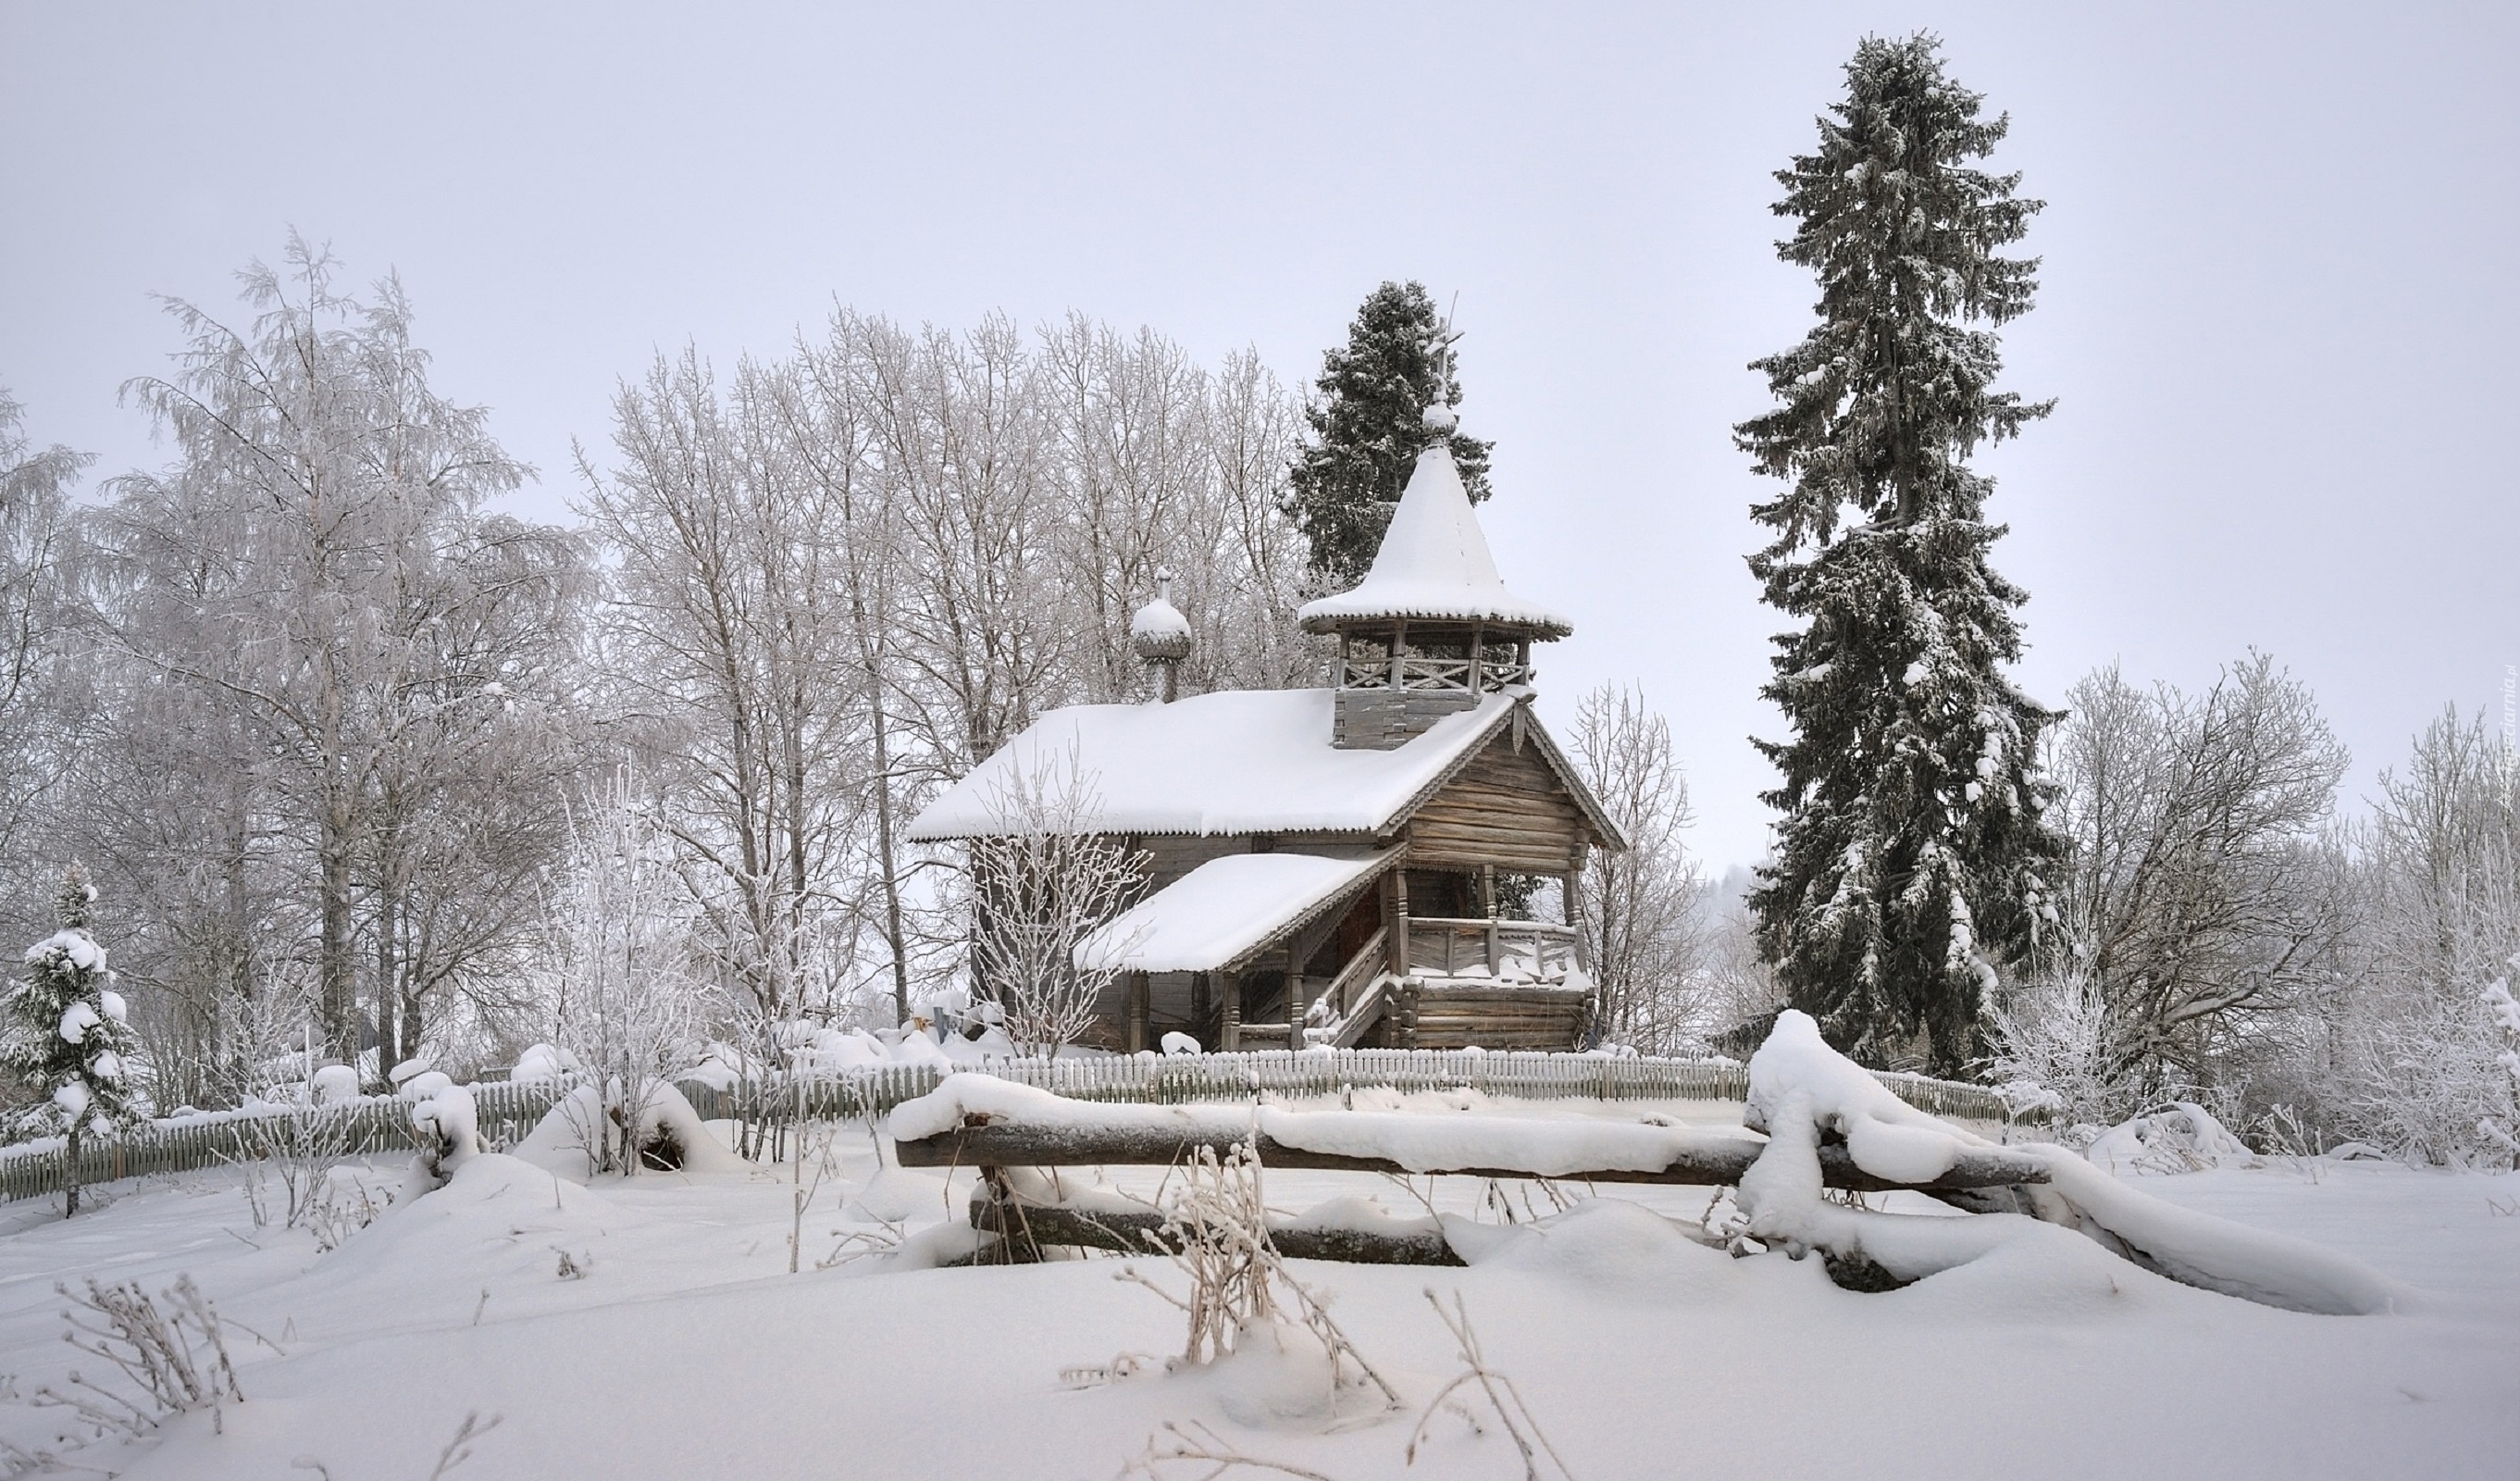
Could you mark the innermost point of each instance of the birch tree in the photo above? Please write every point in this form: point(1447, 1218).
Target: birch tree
point(300, 563)
point(34, 606)
point(730, 637)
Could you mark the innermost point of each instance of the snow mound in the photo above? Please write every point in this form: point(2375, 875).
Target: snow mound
point(1277, 1377)
point(1607, 1243)
point(564, 1141)
point(544, 1062)
point(2180, 1136)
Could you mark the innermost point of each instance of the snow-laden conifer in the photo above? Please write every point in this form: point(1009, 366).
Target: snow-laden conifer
point(1367, 418)
point(1910, 856)
point(68, 1037)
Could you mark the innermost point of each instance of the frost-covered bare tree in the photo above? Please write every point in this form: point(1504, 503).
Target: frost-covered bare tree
point(1643, 909)
point(2060, 1045)
point(1044, 883)
point(850, 575)
point(987, 634)
point(730, 640)
point(2208, 888)
point(619, 970)
point(35, 530)
point(318, 564)
point(2406, 1053)
point(831, 398)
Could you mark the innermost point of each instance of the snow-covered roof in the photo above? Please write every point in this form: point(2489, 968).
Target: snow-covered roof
point(1236, 761)
point(1225, 910)
point(1433, 563)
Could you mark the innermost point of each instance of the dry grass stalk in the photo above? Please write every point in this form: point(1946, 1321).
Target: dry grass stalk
point(1502, 1396)
point(178, 1356)
point(1197, 1445)
point(1216, 1232)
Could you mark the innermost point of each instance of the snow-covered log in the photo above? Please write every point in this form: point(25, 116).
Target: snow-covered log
point(1389, 1241)
point(977, 1121)
point(1801, 1090)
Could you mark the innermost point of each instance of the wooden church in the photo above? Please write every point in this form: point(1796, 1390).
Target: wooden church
point(1338, 866)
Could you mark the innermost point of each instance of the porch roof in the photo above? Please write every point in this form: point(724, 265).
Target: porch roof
point(1228, 910)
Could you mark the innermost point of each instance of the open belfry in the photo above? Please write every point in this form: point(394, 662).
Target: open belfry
point(1346, 866)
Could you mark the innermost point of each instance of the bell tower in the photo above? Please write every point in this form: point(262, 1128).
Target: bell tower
point(1432, 629)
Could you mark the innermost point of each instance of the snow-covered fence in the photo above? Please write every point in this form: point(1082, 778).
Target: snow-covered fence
point(509, 1109)
point(206, 1138)
point(1174, 1079)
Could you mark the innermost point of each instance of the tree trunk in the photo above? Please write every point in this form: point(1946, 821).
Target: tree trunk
point(887, 863)
point(70, 1171)
point(389, 1036)
point(336, 972)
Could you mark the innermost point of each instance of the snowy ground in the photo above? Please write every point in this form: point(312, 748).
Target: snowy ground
point(686, 1350)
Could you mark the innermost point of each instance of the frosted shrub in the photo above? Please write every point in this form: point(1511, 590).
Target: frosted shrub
point(1043, 885)
point(626, 992)
point(2056, 1048)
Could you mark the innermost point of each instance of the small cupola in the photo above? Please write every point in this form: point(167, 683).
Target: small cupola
point(1431, 628)
point(1161, 636)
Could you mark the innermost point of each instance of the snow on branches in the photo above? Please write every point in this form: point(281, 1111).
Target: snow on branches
point(68, 1038)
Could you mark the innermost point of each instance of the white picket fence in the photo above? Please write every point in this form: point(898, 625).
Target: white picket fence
point(509, 1109)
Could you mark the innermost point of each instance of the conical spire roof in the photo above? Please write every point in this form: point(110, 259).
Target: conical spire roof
point(1433, 564)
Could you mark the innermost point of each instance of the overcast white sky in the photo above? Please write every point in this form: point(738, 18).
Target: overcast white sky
point(2278, 304)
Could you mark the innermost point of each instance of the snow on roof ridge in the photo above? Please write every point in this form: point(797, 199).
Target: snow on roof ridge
point(1232, 761)
point(1433, 563)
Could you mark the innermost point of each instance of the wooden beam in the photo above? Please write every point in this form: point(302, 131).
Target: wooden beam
point(1144, 1234)
point(1713, 1159)
point(1396, 922)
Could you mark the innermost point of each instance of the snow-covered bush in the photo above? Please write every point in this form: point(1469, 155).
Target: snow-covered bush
point(625, 991)
point(2180, 1136)
point(2055, 1047)
point(68, 1038)
point(579, 1138)
point(448, 1128)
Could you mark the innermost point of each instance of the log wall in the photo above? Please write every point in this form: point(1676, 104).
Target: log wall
point(1506, 808)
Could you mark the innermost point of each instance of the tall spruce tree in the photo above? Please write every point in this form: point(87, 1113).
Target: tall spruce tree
point(66, 1039)
point(1369, 427)
point(1910, 857)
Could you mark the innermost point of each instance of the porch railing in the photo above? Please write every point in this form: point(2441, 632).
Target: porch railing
point(1459, 948)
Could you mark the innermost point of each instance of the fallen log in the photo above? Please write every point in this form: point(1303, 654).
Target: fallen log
point(1142, 1233)
point(1709, 1159)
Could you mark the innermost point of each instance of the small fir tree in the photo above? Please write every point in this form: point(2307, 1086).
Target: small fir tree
point(1910, 855)
point(1369, 427)
point(68, 1040)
